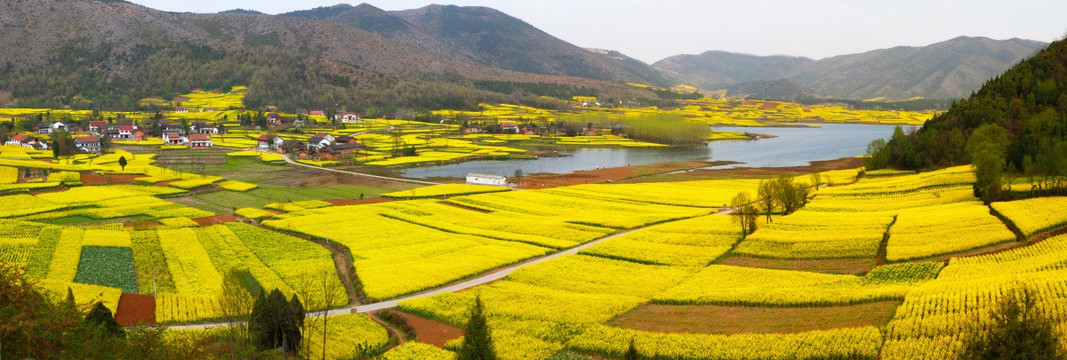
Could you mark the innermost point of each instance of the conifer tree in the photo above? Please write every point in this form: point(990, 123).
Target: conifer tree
point(477, 341)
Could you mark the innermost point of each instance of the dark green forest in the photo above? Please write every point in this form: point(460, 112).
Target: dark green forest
point(83, 77)
point(1028, 102)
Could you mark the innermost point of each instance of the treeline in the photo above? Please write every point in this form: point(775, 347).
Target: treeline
point(906, 105)
point(81, 76)
point(559, 91)
point(669, 129)
point(1024, 116)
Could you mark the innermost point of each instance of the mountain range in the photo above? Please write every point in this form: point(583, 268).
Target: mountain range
point(110, 54)
point(948, 69)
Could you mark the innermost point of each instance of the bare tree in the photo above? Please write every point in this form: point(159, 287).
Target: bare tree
point(329, 293)
point(235, 302)
point(305, 285)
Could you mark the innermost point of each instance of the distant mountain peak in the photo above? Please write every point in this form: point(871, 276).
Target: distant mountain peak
point(241, 11)
point(948, 69)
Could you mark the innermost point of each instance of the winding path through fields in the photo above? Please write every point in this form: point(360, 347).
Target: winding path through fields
point(420, 182)
point(486, 278)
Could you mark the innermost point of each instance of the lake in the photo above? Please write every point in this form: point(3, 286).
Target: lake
point(793, 146)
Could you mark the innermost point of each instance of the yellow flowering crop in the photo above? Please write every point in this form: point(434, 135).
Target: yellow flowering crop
point(690, 242)
point(1035, 215)
point(444, 190)
point(928, 231)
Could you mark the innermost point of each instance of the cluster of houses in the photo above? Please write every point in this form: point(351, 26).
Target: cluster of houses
point(321, 146)
point(88, 140)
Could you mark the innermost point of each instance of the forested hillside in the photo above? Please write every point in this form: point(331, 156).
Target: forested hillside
point(488, 37)
point(1017, 122)
point(108, 55)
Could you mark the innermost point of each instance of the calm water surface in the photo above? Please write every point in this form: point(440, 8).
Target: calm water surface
point(791, 147)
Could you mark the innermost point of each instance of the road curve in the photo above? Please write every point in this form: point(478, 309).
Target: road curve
point(454, 287)
point(420, 182)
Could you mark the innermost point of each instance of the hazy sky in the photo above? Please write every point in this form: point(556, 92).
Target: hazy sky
point(651, 30)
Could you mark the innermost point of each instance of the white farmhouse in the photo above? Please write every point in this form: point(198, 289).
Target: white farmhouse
point(486, 179)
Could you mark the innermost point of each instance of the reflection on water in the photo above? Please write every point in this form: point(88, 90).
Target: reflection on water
point(791, 147)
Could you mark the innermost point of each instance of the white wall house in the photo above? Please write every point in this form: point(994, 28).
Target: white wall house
point(486, 179)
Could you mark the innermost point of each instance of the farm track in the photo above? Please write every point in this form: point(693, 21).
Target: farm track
point(420, 182)
point(491, 276)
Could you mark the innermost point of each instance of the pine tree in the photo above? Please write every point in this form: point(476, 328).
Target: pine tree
point(101, 316)
point(477, 341)
point(1019, 331)
point(631, 353)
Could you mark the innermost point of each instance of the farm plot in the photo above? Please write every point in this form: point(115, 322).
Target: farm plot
point(815, 234)
point(704, 193)
point(935, 230)
point(851, 221)
point(730, 285)
point(937, 316)
point(690, 242)
point(443, 191)
point(107, 266)
point(197, 259)
point(1033, 216)
point(395, 257)
point(577, 209)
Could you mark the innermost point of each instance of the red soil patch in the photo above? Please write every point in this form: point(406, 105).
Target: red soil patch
point(857, 266)
point(136, 308)
point(141, 224)
point(165, 183)
point(431, 332)
point(716, 319)
point(58, 189)
point(96, 179)
point(341, 202)
point(575, 178)
point(214, 220)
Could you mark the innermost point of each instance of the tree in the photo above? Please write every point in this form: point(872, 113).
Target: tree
point(235, 301)
point(876, 158)
point(631, 352)
point(276, 323)
point(100, 318)
point(477, 340)
point(767, 196)
point(122, 162)
point(329, 292)
point(1019, 330)
point(986, 147)
point(744, 213)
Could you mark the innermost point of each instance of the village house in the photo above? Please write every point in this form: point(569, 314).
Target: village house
point(347, 117)
point(97, 127)
point(317, 112)
point(320, 141)
point(47, 128)
point(203, 128)
point(174, 138)
point(125, 132)
point(174, 128)
point(292, 147)
point(27, 141)
point(486, 179)
point(87, 144)
point(210, 109)
point(508, 127)
point(273, 119)
point(199, 141)
point(267, 142)
point(138, 135)
point(181, 109)
point(345, 139)
point(340, 151)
